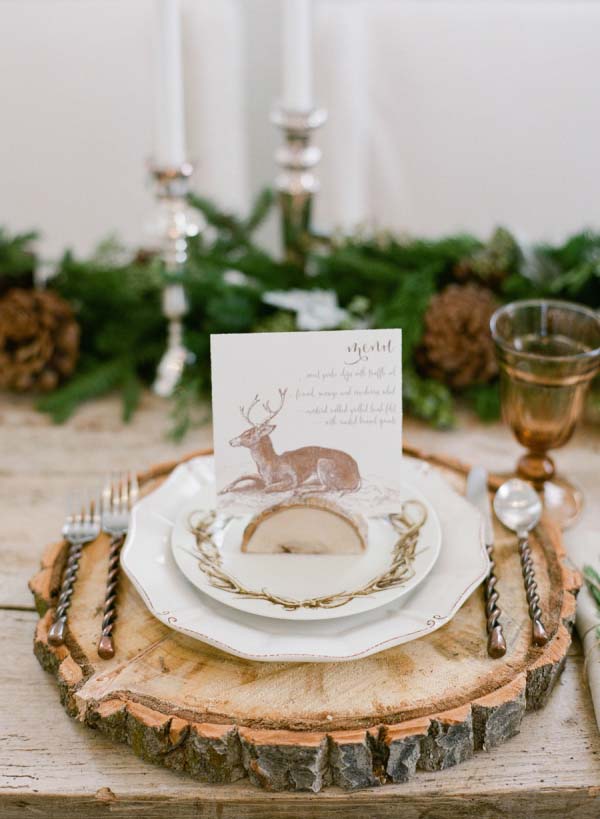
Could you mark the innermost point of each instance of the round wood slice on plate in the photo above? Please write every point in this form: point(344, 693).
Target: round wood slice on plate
point(330, 529)
point(428, 704)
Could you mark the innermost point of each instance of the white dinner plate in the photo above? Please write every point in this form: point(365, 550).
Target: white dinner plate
point(148, 561)
point(299, 578)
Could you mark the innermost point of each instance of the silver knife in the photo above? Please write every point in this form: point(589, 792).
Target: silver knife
point(477, 494)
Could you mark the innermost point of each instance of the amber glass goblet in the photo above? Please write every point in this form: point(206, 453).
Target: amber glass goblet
point(548, 353)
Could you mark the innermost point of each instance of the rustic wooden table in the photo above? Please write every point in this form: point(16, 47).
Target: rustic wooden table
point(51, 766)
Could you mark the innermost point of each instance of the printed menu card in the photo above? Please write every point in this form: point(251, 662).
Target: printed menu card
point(311, 413)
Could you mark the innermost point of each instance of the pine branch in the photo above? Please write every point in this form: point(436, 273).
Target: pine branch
point(185, 402)
point(219, 219)
point(262, 207)
point(485, 400)
point(428, 399)
point(131, 393)
point(98, 381)
point(17, 260)
point(592, 580)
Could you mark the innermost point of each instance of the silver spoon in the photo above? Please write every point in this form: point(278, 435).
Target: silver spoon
point(519, 508)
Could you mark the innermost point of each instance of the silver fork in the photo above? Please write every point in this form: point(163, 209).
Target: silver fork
point(118, 496)
point(81, 526)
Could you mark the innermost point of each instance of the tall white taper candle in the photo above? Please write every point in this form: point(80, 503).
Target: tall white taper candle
point(297, 67)
point(170, 148)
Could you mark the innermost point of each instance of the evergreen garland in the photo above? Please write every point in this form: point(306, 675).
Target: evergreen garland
point(382, 280)
point(16, 260)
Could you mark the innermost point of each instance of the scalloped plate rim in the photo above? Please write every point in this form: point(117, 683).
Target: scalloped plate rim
point(225, 617)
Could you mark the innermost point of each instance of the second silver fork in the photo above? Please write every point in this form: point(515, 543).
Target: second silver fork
point(118, 496)
point(82, 525)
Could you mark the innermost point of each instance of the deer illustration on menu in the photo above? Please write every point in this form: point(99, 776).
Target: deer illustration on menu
point(307, 469)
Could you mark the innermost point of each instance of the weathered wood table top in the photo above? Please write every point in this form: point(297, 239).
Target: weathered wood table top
point(51, 766)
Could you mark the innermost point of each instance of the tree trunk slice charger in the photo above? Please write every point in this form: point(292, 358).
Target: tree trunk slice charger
point(425, 705)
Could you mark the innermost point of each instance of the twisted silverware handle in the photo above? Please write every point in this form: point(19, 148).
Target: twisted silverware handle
point(56, 634)
point(496, 641)
point(106, 647)
point(538, 632)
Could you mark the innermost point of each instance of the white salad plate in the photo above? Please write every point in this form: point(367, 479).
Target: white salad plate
point(148, 561)
point(300, 577)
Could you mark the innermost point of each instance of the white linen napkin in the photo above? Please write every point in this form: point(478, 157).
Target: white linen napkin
point(584, 550)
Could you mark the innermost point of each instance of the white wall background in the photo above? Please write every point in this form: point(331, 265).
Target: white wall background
point(444, 114)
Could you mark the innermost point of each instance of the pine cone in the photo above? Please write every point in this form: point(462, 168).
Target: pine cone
point(457, 347)
point(39, 340)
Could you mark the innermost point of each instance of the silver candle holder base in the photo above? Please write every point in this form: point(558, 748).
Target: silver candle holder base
point(297, 183)
point(177, 225)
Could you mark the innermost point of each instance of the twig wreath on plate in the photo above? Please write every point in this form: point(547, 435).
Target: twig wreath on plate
point(400, 570)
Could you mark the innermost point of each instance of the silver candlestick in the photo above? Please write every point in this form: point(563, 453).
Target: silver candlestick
point(177, 225)
point(296, 183)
